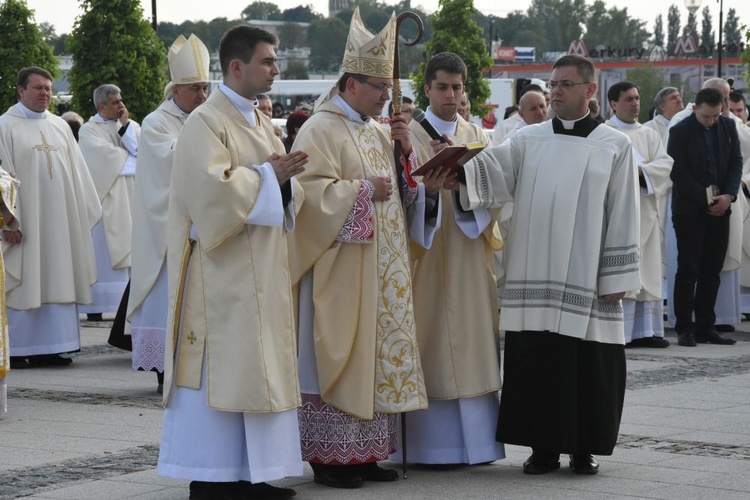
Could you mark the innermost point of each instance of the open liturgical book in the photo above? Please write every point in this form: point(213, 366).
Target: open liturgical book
point(451, 157)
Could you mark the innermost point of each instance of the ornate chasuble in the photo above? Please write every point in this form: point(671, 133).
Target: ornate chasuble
point(57, 203)
point(458, 344)
point(365, 337)
point(229, 289)
point(8, 192)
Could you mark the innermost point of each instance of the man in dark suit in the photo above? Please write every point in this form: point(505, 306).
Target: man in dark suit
point(706, 152)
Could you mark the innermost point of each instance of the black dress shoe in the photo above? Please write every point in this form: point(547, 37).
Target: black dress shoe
point(372, 472)
point(94, 317)
point(713, 337)
point(686, 339)
point(653, 342)
point(19, 363)
point(541, 463)
point(49, 360)
point(724, 328)
point(584, 464)
point(246, 490)
point(337, 476)
point(200, 490)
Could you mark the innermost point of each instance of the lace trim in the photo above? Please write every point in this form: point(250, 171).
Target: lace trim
point(358, 227)
point(330, 436)
point(149, 349)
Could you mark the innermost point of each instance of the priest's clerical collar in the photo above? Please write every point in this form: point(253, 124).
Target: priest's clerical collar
point(579, 128)
point(245, 106)
point(662, 119)
point(99, 118)
point(31, 115)
point(348, 110)
point(621, 124)
point(443, 127)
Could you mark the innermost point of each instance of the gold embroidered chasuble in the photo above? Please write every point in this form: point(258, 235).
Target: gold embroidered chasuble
point(57, 203)
point(455, 296)
point(8, 193)
point(364, 332)
point(105, 156)
point(229, 291)
point(151, 199)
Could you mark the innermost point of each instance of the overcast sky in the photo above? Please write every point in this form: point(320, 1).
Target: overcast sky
point(62, 13)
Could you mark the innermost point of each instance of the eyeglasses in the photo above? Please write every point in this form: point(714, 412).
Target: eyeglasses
point(565, 84)
point(381, 87)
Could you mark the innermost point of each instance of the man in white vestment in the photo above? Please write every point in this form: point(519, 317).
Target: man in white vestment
point(230, 378)
point(667, 103)
point(458, 344)
point(706, 179)
point(49, 260)
point(728, 300)
point(8, 197)
point(109, 143)
point(359, 362)
point(644, 310)
point(148, 299)
point(265, 105)
point(572, 256)
point(506, 127)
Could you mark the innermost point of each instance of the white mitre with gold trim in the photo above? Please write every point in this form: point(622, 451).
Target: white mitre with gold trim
point(188, 60)
point(365, 53)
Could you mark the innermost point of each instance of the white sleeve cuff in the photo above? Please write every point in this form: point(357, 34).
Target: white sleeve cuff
point(268, 209)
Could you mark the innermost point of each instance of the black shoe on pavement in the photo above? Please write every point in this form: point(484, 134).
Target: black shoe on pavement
point(49, 360)
point(337, 476)
point(686, 339)
point(584, 464)
point(94, 317)
point(541, 462)
point(724, 328)
point(246, 490)
point(373, 472)
point(713, 337)
point(655, 342)
point(19, 363)
point(201, 490)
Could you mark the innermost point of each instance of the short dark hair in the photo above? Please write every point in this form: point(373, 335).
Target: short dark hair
point(532, 87)
point(239, 42)
point(510, 110)
point(22, 79)
point(404, 99)
point(613, 94)
point(735, 96)
point(584, 67)
point(710, 96)
point(446, 61)
point(263, 97)
point(345, 77)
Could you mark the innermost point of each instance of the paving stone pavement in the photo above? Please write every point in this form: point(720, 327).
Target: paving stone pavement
point(91, 431)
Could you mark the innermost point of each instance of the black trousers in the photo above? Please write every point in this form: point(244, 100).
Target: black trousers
point(702, 242)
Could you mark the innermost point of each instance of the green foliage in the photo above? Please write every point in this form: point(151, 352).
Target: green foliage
point(745, 56)
point(327, 39)
point(21, 45)
point(650, 81)
point(708, 37)
point(300, 14)
point(260, 10)
point(659, 31)
point(673, 28)
point(732, 31)
point(615, 26)
point(209, 32)
point(295, 70)
point(454, 30)
point(113, 43)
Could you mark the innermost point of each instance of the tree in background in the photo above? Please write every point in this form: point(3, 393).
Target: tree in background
point(327, 38)
point(745, 56)
point(673, 28)
point(614, 27)
point(732, 31)
point(691, 27)
point(113, 43)
point(454, 30)
point(650, 81)
point(708, 37)
point(265, 11)
point(300, 14)
point(295, 70)
point(658, 38)
point(21, 45)
point(560, 20)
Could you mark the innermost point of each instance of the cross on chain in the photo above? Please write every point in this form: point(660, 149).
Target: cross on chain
point(46, 148)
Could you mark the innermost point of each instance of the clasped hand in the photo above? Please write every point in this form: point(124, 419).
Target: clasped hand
point(287, 166)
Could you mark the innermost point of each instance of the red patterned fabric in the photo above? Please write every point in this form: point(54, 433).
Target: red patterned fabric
point(358, 227)
point(410, 164)
point(330, 436)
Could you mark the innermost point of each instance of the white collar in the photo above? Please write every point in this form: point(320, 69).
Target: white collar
point(245, 106)
point(31, 115)
point(661, 119)
point(179, 109)
point(621, 124)
point(100, 119)
point(350, 112)
point(443, 127)
point(569, 124)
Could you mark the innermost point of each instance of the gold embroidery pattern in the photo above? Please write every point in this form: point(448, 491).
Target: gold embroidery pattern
point(46, 148)
point(8, 195)
point(380, 48)
point(398, 372)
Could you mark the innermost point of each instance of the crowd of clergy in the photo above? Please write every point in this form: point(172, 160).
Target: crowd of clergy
point(313, 300)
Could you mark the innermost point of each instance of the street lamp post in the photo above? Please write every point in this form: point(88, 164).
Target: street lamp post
point(692, 6)
point(154, 24)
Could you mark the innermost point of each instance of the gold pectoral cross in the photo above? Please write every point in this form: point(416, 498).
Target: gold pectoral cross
point(47, 149)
